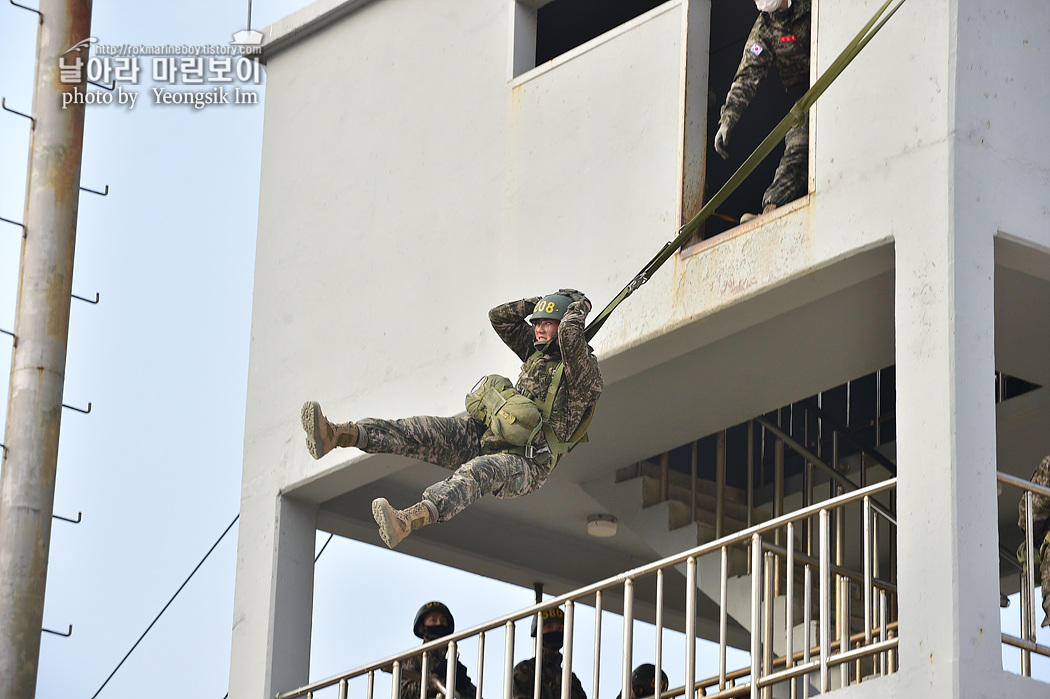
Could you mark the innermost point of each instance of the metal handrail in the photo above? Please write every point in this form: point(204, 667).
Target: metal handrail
point(689, 557)
point(1027, 607)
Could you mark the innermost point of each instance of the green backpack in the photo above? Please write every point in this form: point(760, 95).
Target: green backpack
point(509, 415)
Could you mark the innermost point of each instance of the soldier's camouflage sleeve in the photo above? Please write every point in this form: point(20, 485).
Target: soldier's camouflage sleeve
point(409, 688)
point(1040, 503)
point(758, 57)
point(508, 320)
point(524, 673)
point(581, 378)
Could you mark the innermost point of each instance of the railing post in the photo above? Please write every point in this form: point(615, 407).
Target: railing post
point(538, 656)
point(807, 619)
point(690, 629)
point(723, 619)
point(508, 661)
point(481, 663)
point(452, 660)
point(756, 613)
point(597, 642)
point(825, 611)
point(868, 582)
point(395, 680)
point(628, 639)
point(659, 629)
point(424, 672)
point(566, 663)
point(1028, 630)
point(769, 571)
point(843, 619)
point(789, 604)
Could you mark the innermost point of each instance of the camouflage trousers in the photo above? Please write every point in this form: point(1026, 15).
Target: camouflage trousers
point(454, 443)
point(792, 177)
point(1040, 521)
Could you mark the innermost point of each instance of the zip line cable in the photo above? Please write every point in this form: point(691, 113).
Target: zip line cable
point(794, 117)
point(228, 528)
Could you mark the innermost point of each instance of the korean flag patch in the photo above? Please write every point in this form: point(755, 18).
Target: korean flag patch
point(756, 50)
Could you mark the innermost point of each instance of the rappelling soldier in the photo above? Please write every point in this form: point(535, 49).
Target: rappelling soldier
point(515, 433)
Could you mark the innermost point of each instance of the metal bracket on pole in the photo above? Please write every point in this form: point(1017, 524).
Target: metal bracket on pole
point(101, 194)
point(108, 88)
point(15, 223)
point(14, 338)
point(87, 300)
point(80, 516)
point(38, 12)
point(79, 410)
point(67, 634)
point(3, 103)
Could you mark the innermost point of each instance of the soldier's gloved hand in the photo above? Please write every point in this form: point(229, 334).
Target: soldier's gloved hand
point(722, 140)
point(571, 293)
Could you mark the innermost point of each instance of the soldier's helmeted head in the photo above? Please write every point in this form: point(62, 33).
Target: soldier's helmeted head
point(643, 681)
point(433, 620)
point(553, 628)
point(546, 317)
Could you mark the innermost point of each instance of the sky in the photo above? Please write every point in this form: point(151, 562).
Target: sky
point(155, 468)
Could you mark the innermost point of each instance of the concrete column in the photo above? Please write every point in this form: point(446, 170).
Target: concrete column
point(949, 632)
point(38, 364)
point(273, 609)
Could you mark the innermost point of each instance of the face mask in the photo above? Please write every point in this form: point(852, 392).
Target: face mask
point(553, 640)
point(769, 5)
point(438, 631)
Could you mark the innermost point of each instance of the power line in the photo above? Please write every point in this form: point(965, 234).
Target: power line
point(167, 605)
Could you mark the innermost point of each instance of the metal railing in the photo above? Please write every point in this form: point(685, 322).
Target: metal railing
point(827, 640)
point(1027, 607)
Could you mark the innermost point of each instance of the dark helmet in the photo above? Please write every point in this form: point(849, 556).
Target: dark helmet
point(417, 626)
point(553, 307)
point(555, 614)
point(643, 680)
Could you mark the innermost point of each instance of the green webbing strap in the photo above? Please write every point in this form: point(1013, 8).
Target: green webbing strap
point(795, 116)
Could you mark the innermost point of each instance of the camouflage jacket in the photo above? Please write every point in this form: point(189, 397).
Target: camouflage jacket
point(437, 667)
point(1040, 503)
point(581, 381)
point(550, 679)
point(777, 38)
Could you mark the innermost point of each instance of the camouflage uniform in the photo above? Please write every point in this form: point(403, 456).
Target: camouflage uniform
point(781, 39)
point(410, 673)
point(550, 678)
point(1040, 530)
point(465, 446)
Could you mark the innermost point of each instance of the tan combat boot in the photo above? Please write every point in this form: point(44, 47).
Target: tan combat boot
point(395, 525)
point(765, 210)
point(323, 436)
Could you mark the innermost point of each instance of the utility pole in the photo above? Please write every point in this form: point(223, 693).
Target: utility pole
point(38, 364)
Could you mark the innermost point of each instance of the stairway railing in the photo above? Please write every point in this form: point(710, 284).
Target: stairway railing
point(808, 670)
